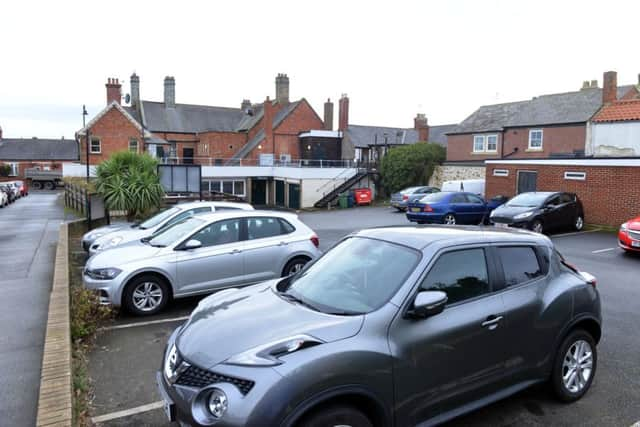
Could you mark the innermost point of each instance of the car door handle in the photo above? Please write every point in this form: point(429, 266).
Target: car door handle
point(282, 244)
point(235, 251)
point(492, 322)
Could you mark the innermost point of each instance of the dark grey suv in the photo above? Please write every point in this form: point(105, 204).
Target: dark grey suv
point(392, 327)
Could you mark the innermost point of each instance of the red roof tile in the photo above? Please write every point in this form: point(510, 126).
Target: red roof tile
point(618, 111)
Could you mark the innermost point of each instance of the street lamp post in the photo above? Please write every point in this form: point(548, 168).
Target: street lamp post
point(84, 114)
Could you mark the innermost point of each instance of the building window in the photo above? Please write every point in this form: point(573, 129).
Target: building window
point(133, 145)
point(203, 149)
point(478, 143)
point(485, 143)
point(576, 176)
point(235, 187)
point(96, 147)
point(501, 172)
point(15, 169)
point(535, 139)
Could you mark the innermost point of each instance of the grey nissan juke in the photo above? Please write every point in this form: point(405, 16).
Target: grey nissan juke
point(395, 326)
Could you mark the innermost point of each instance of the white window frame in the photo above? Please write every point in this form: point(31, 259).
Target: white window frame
point(221, 186)
point(575, 175)
point(15, 169)
point(485, 143)
point(501, 172)
point(532, 131)
point(91, 141)
point(133, 140)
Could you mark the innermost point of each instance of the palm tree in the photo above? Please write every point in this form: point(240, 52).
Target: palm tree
point(129, 182)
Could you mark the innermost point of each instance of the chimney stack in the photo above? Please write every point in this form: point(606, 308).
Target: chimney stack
point(245, 106)
point(267, 121)
point(585, 85)
point(282, 89)
point(113, 90)
point(609, 87)
point(421, 124)
point(343, 113)
point(134, 81)
point(328, 115)
point(594, 83)
point(169, 92)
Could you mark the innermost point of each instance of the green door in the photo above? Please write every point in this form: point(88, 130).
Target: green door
point(294, 196)
point(279, 193)
point(259, 192)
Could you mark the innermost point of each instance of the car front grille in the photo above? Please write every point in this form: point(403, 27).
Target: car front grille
point(634, 234)
point(501, 220)
point(198, 377)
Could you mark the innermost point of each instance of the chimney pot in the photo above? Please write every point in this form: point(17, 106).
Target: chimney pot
point(113, 91)
point(328, 115)
point(421, 124)
point(245, 106)
point(594, 83)
point(609, 87)
point(585, 84)
point(169, 92)
point(343, 113)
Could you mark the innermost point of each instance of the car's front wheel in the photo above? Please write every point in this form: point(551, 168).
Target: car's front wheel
point(575, 366)
point(336, 415)
point(537, 226)
point(146, 295)
point(578, 224)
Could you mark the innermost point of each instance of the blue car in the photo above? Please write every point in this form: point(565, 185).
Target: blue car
point(450, 207)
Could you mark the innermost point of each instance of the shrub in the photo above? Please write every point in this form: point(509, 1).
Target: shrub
point(409, 165)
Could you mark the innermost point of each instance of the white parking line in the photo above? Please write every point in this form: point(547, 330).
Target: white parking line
point(599, 251)
point(150, 322)
point(128, 412)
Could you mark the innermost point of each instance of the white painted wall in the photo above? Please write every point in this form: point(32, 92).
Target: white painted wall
point(620, 139)
point(77, 169)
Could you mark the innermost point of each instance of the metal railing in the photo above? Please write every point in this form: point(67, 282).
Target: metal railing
point(293, 163)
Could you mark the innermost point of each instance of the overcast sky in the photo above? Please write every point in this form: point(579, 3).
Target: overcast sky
point(393, 58)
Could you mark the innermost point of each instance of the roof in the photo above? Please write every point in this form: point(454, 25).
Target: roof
point(38, 149)
point(187, 118)
point(421, 236)
point(619, 111)
point(560, 108)
point(365, 136)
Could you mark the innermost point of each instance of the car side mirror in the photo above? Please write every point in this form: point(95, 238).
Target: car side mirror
point(192, 244)
point(427, 304)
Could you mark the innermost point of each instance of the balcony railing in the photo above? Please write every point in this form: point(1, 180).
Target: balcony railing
point(293, 163)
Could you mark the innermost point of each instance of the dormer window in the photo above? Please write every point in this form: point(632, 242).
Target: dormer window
point(535, 139)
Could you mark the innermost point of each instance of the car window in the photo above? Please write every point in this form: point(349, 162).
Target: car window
point(566, 198)
point(286, 227)
point(219, 233)
point(460, 274)
point(226, 208)
point(475, 199)
point(458, 198)
point(158, 218)
point(174, 233)
point(434, 198)
point(520, 264)
point(186, 214)
point(553, 201)
point(260, 228)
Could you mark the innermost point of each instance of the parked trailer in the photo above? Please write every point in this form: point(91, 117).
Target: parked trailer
point(40, 179)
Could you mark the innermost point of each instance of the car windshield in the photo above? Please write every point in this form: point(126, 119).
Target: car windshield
point(528, 200)
point(158, 218)
point(355, 277)
point(175, 232)
point(434, 198)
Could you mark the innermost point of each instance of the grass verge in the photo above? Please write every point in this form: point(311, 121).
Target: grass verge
point(87, 315)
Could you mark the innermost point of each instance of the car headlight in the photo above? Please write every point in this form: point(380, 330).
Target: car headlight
point(113, 242)
point(217, 403)
point(624, 227)
point(95, 234)
point(104, 273)
point(523, 215)
point(268, 354)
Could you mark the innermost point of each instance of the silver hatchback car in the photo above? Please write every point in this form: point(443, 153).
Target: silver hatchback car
point(198, 255)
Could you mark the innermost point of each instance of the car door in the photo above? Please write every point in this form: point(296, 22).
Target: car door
point(552, 216)
point(266, 248)
point(462, 208)
point(218, 263)
point(478, 208)
point(568, 208)
point(452, 358)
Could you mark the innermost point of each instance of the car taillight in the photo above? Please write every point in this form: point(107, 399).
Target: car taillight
point(427, 208)
point(315, 241)
point(405, 197)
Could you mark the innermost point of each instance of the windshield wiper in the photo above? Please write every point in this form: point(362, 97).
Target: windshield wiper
point(293, 298)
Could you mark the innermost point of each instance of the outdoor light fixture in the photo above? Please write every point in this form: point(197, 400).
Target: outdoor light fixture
point(260, 147)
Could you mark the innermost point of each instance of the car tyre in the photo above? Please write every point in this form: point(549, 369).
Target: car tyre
point(575, 366)
point(400, 209)
point(49, 185)
point(537, 226)
point(146, 295)
point(37, 185)
point(449, 219)
point(578, 224)
point(336, 415)
point(294, 266)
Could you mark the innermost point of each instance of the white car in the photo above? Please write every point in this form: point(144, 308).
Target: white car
point(475, 186)
point(4, 199)
point(198, 255)
point(108, 237)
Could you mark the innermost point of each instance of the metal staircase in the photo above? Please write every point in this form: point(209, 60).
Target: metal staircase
point(331, 196)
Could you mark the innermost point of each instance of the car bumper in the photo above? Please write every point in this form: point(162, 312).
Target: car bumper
point(627, 243)
point(401, 204)
point(109, 291)
point(424, 217)
point(517, 224)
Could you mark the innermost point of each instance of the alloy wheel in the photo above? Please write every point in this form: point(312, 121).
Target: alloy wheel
point(537, 227)
point(147, 296)
point(449, 219)
point(579, 223)
point(577, 366)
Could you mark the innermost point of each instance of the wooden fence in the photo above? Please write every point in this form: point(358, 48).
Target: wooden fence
point(76, 198)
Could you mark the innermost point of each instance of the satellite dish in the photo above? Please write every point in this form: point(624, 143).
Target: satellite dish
point(127, 98)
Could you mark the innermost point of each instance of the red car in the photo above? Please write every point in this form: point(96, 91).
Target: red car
point(629, 235)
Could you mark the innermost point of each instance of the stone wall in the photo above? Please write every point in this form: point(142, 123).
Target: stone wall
point(444, 173)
